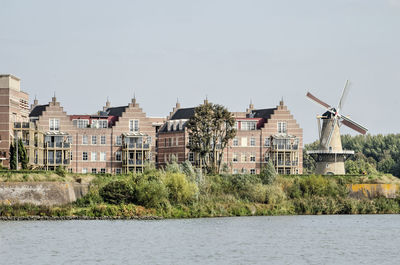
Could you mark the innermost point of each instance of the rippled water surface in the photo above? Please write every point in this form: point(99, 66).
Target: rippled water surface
point(356, 239)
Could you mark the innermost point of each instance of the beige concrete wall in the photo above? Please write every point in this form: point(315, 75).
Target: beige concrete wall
point(41, 193)
point(370, 191)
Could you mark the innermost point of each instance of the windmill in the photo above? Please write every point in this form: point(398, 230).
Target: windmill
point(330, 157)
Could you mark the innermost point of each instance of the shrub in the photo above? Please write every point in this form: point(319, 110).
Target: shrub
point(61, 171)
point(117, 191)
point(151, 192)
point(179, 188)
point(268, 174)
point(274, 194)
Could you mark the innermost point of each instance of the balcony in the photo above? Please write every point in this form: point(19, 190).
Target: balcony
point(58, 161)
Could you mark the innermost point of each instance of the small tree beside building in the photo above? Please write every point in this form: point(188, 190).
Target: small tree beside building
point(20, 155)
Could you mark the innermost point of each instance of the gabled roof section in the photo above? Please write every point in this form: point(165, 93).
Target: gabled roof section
point(180, 114)
point(38, 110)
point(116, 111)
point(262, 113)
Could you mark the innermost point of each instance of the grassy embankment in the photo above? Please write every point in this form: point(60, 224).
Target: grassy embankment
point(179, 192)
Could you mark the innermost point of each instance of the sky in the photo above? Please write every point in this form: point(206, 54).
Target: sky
point(230, 51)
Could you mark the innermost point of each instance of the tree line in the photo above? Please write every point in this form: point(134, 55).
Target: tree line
point(373, 154)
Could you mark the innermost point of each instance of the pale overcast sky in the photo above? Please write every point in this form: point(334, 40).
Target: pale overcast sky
point(231, 51)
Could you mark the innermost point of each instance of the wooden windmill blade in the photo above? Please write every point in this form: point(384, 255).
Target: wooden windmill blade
point(353, 125)
point(317, 100)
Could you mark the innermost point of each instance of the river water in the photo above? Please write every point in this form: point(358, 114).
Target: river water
point(350, 239)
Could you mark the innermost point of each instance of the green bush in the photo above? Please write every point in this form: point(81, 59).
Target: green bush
point(117, 192)
point(151, 192)
point(179, 188)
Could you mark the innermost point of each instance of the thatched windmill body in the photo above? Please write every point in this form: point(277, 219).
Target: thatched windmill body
point(330, 157)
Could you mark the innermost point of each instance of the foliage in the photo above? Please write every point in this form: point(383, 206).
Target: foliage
point(179, 188)
point(118, 191)
point(61, 171)
point(268, 173)
point(151, 192)
point(210, 129)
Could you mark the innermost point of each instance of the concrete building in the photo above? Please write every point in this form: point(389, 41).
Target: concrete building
point(262, 135)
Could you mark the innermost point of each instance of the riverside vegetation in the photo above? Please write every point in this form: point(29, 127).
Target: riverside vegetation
point(180, 191)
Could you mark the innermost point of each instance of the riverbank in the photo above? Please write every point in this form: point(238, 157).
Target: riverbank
point(180, 193)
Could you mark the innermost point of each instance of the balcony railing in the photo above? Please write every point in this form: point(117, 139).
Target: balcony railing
point(57, 145)
point(19, 125)
point(133, 162)
point(136, 146)
point(58, 161)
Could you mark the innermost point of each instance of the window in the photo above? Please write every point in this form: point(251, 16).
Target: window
point(118, 140)
point(235, 141)
point(235, 157)
point(252, 171)
point(94, 139)
point(84, 170)
point(236, 126)
point(169, 142)
point(267, 142)
point(102, 170)
point(70, 156)
point(252, 141)
point(102, 156)
point(235, 171)
point(70, 170)
point(99, 124)
point(94, 156)
point(84, 139)
point(244, 141)
point(85, 156)
point(244, 157)
point(266, 157)
point(94, 170)
point(191, 157)
point(248, 125)
point(54, 124)
point(118, 156)
point(149, 140)
point(103, 139)
point(69, 139)
point(252, 157)
point(282, 127)
point(81, 123)
point(134, 125)
point(118, 171)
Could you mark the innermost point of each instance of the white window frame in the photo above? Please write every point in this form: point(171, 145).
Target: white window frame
point(235, 141)
point(103, 171)
point(81, 123)
point(93, 156)
point(191, 157)
point(244, 141)
point(103, 156)
point(252, 171)
point(118, 140)
point(103, 140)
point(252, 141)
point(235, 158)
point(85, 154)
point(134, 125)
point(118, 170)
point(54, 124)
point(84, 170)
point(282, 127)
point(85, 139)
point(94, 137)
point(94, 170)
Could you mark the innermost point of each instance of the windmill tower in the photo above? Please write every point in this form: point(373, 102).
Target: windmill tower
point(330, 157)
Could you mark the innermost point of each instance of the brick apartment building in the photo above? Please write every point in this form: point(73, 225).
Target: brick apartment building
point(262, 135)
point(121, 139)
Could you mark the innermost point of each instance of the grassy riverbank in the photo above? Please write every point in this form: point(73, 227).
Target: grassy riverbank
point(181, 193)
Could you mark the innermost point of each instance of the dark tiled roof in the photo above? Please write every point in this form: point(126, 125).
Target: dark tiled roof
point(116, 111)
point(38, 110)
point(183, 114)
point(263, 113)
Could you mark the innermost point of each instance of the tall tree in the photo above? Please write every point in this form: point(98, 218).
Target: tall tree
point(21, 154)
point(210, 129)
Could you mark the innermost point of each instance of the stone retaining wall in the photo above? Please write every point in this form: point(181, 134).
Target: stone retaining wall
point(371, 191)
point(41, 193)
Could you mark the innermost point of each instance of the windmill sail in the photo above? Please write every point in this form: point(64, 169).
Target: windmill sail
point(353, 125)
point(318, 101)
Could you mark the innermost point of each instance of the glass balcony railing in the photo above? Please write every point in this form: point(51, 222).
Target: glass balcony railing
point(137, 146)
point(57, 145)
